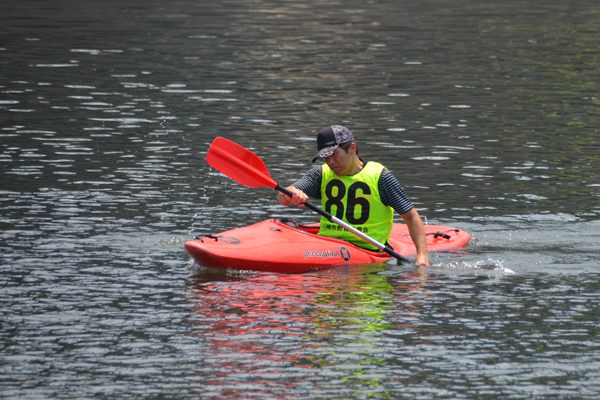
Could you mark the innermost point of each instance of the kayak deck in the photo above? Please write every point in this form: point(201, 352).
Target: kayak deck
point(280, 245)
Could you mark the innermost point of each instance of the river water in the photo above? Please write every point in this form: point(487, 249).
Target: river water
point(487, 113)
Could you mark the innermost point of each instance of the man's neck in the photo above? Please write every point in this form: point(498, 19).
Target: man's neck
point(358, 165)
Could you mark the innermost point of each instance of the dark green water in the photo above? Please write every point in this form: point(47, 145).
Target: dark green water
point(487, 113)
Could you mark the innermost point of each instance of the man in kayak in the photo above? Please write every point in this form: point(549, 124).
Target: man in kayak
point(362, 193)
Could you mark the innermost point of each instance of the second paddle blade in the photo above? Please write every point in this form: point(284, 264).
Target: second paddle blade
point(239, 163)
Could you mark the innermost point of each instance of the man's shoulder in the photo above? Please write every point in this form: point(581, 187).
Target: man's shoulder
point(374, 166)
point(317, 170)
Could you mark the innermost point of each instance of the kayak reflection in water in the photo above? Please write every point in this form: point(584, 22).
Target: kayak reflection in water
point(362, 193)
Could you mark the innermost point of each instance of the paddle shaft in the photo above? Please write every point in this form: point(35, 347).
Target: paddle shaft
point(350, 228)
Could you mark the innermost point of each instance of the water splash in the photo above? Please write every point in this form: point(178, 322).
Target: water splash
point(478, 266)
point(194, 268)
point(172, 241)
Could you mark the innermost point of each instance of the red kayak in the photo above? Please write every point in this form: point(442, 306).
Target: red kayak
point(280, 245)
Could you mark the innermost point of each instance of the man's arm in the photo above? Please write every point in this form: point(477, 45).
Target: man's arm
point(418, 236)
point(308, 186)
point(298, 199)
point(393, 195)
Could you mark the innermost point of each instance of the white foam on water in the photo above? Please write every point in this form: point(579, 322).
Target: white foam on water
point(478, 266)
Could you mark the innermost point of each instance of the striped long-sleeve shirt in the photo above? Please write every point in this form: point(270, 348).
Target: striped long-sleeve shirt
point(390, 190)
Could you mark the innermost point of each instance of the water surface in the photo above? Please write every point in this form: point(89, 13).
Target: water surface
point(485, 112)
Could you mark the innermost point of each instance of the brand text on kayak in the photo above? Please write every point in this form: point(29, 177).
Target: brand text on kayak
point(344, 254)
point(322, 254)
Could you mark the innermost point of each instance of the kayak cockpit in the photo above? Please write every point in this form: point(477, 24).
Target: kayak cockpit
point(310, 228)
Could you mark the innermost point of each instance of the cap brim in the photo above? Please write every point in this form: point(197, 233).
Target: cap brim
point(326, 152)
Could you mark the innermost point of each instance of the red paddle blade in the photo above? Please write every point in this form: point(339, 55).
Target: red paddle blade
point(239, 163)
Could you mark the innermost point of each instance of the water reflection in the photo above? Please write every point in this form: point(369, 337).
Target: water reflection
point(271, 326)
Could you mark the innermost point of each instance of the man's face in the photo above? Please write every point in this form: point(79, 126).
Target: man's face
point(340, 161)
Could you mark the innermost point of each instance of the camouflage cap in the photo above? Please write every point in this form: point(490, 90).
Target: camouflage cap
point(329, 139)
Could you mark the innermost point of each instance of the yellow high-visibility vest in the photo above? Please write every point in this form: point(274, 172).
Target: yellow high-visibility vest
point(355, 200)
